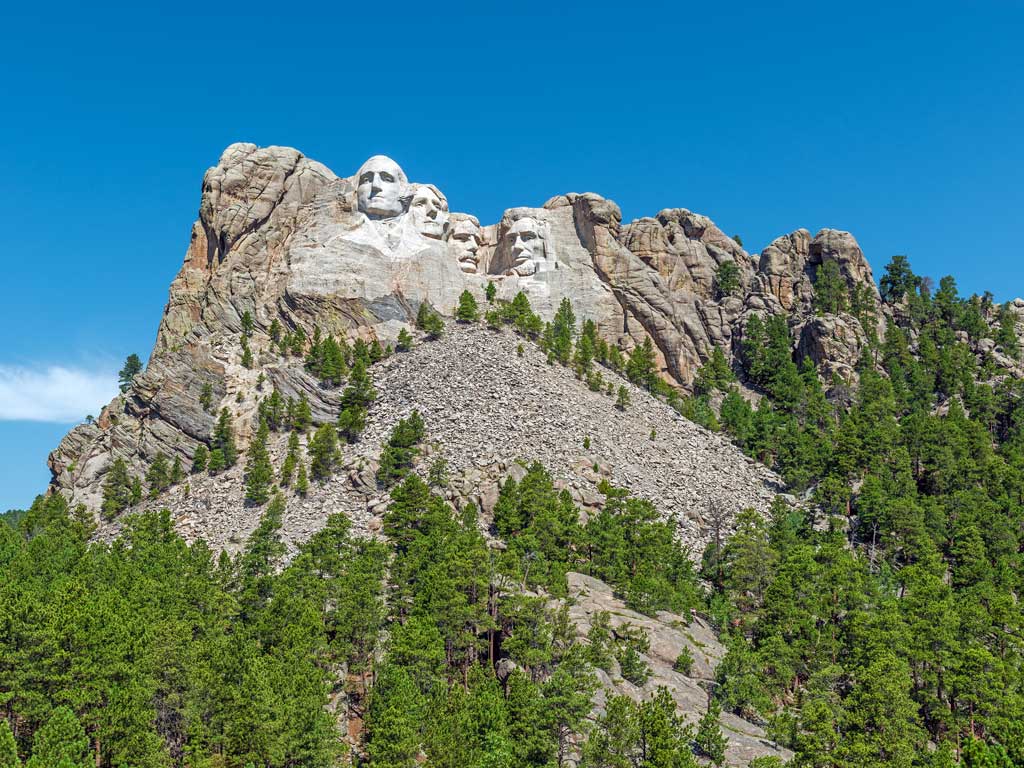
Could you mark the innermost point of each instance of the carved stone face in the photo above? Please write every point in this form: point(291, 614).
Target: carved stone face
point(465, 242)
point(381, 186)
point(429, 210)
point(527, 246)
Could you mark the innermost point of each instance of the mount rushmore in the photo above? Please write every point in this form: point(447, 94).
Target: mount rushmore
point(281, 238)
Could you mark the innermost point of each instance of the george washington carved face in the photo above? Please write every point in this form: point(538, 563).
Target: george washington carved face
point(381, 188)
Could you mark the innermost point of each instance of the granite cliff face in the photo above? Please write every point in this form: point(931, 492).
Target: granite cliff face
point(281, 237)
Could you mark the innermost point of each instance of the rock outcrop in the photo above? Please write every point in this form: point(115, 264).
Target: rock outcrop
point(668, 635)
point(489, 412)
point(283, 240)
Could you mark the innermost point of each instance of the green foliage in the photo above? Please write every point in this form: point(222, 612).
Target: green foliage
point(117, 490)
point(200, 458)
point(259, 472)
point(401, 449)
point(404, 343)
point(715, 374)
point(684, 662)
point(830, 290)
point(328, 359)
point(622, 398)
point(8, 747)
point(206, 396)
point(898, 281)
point(490, 291)
point(648, 734)
point(563, 329)
point(158, 476)
point(323, 452)
point(429, 321)
point(467, 311)
point(132, 368)
point(60, 742)
point(709, 739)
point(727, 279)
point(222, 443)
point(642, 368)
point(1006, 334)
point(355, 402)
point(247, 359)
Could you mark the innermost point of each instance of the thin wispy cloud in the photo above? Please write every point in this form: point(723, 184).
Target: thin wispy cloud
point(55, 393)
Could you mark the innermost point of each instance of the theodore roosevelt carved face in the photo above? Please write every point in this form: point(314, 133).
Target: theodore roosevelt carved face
point(381, 188)
point(465, 242)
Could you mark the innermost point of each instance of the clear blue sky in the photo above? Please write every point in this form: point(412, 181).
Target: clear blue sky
point(901, 122)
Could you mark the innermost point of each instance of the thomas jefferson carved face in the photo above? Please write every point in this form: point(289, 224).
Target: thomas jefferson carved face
point(465, 242)
point(527, 246)
point(381, 186)
point(429, 210)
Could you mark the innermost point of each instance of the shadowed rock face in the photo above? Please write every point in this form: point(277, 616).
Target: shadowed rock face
point(283, 238)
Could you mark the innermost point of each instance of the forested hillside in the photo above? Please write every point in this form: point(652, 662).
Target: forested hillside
point(875, 624)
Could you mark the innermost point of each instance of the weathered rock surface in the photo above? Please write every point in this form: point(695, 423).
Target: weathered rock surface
point(489, 411)
point(284, 239)
point(668, 635)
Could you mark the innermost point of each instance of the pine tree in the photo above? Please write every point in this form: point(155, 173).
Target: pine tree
point(206, 396)
point(727, 279)
point(404, 343)
point(622, 398)
point(158, 476)
point(898, 280)
point(468, 311)
point(323, 452)
point(247, 324)
point(8, 747)
point(247, 360)
point(355, 401)
point(490, 291)
point(302, 419)
point(563, 328)
point(302, 480)
point(223, 442)
point(291, 460)
point(641, 368)
point(830, 291)
point(117, 490)
point(177, 471)
point(401, 448)
point(709, 739)
point(200, 458)
point(132, 368)
point(275, 330)
point(259, 472)
point(715, 374)
point(1006, 334)
point(60, 742)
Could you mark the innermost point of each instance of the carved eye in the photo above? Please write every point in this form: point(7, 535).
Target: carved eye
point(366, 178)
point(527, 235)
point(385, 176)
